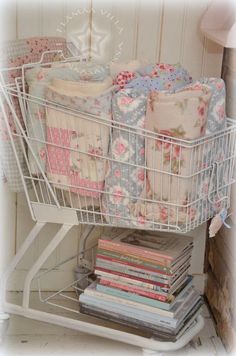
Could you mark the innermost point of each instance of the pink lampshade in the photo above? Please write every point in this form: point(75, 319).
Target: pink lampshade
point(219, 23)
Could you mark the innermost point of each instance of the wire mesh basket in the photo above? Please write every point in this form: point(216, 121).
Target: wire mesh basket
point(86, 168)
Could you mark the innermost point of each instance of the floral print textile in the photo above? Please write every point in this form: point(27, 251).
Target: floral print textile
point(123, 78)
point(78, 164)
point(13, 54)
point(182, 115)
point(216, 118)
point(125, 173)
point(158, 77)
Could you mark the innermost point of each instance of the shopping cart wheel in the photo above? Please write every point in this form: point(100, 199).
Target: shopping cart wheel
point(4, 323)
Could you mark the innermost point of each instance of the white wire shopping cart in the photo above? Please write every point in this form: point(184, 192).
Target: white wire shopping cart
point(69, 201)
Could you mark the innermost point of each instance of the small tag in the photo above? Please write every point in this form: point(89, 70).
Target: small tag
point(217, 222)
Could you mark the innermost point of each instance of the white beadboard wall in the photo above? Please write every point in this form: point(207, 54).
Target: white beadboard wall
point(154, 31)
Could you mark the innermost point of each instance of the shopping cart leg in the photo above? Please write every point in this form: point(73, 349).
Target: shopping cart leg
point(14, 262)
point(40, 261)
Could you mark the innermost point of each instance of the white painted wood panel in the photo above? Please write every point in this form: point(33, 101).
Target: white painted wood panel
point(103, 27)
point(125, 31)
point(29, 19)
point(77, 21)
point(192, 40)
point(173, 31)
point(8, 18)
point(150, 17)
point(161, 30)
point(53, 13)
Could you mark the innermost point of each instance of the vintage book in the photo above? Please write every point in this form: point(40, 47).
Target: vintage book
point(135, 301)
point(126, 263)
point(126, 294)
point(126, 279)
point(151, 293)
point(145, 297)
point(141, 283)
point(102, 261)
point(133, 260)
point(164, 249)
point(150, 329)
point(129, 311)
point(160, 321)
point(159, 286)
point(133, 289)
point(142, 273)
point(164, 270)
point(137, 272)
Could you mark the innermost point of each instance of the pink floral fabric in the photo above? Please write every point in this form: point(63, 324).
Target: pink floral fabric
point(181, 115)
point(77, 147)
point(152, 214)
point(216, 118)
point(15, 54)
point(125, 172)
point(123, 78)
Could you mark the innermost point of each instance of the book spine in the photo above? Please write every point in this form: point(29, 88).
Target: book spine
point(160, 260)
point(138, 266)
point(160, 331)
point(133, 249)
point(133, 259)
point(158, 286)
point(122, 302)
point(133, 272)
point(144, 301)
point(126, 307)
point(133, 289)
point(131, 281)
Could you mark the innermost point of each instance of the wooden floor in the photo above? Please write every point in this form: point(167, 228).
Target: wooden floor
point(30, 337)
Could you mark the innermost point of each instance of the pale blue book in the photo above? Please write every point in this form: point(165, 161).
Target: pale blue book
point(142, 299)
point(142, 315)
point(128, 311)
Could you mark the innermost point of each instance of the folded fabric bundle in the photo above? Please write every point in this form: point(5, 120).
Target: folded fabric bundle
point(155, 213)
point(124, 78)
point(216, 151)
point(160, 77)
point(83, 87)
point(126, 181)
point(182, 115)
point(77, 147)
point(14, 54)
point(125, 172)
point(90, 71)
point(159, 69)
point(216, 118)
point(38, 78)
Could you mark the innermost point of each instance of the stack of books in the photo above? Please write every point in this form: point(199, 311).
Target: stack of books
point(143, 282)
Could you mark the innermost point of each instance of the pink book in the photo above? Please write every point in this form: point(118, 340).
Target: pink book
point(166, 287)
point(159, 248)
point(126, 263)
point(133, 289)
